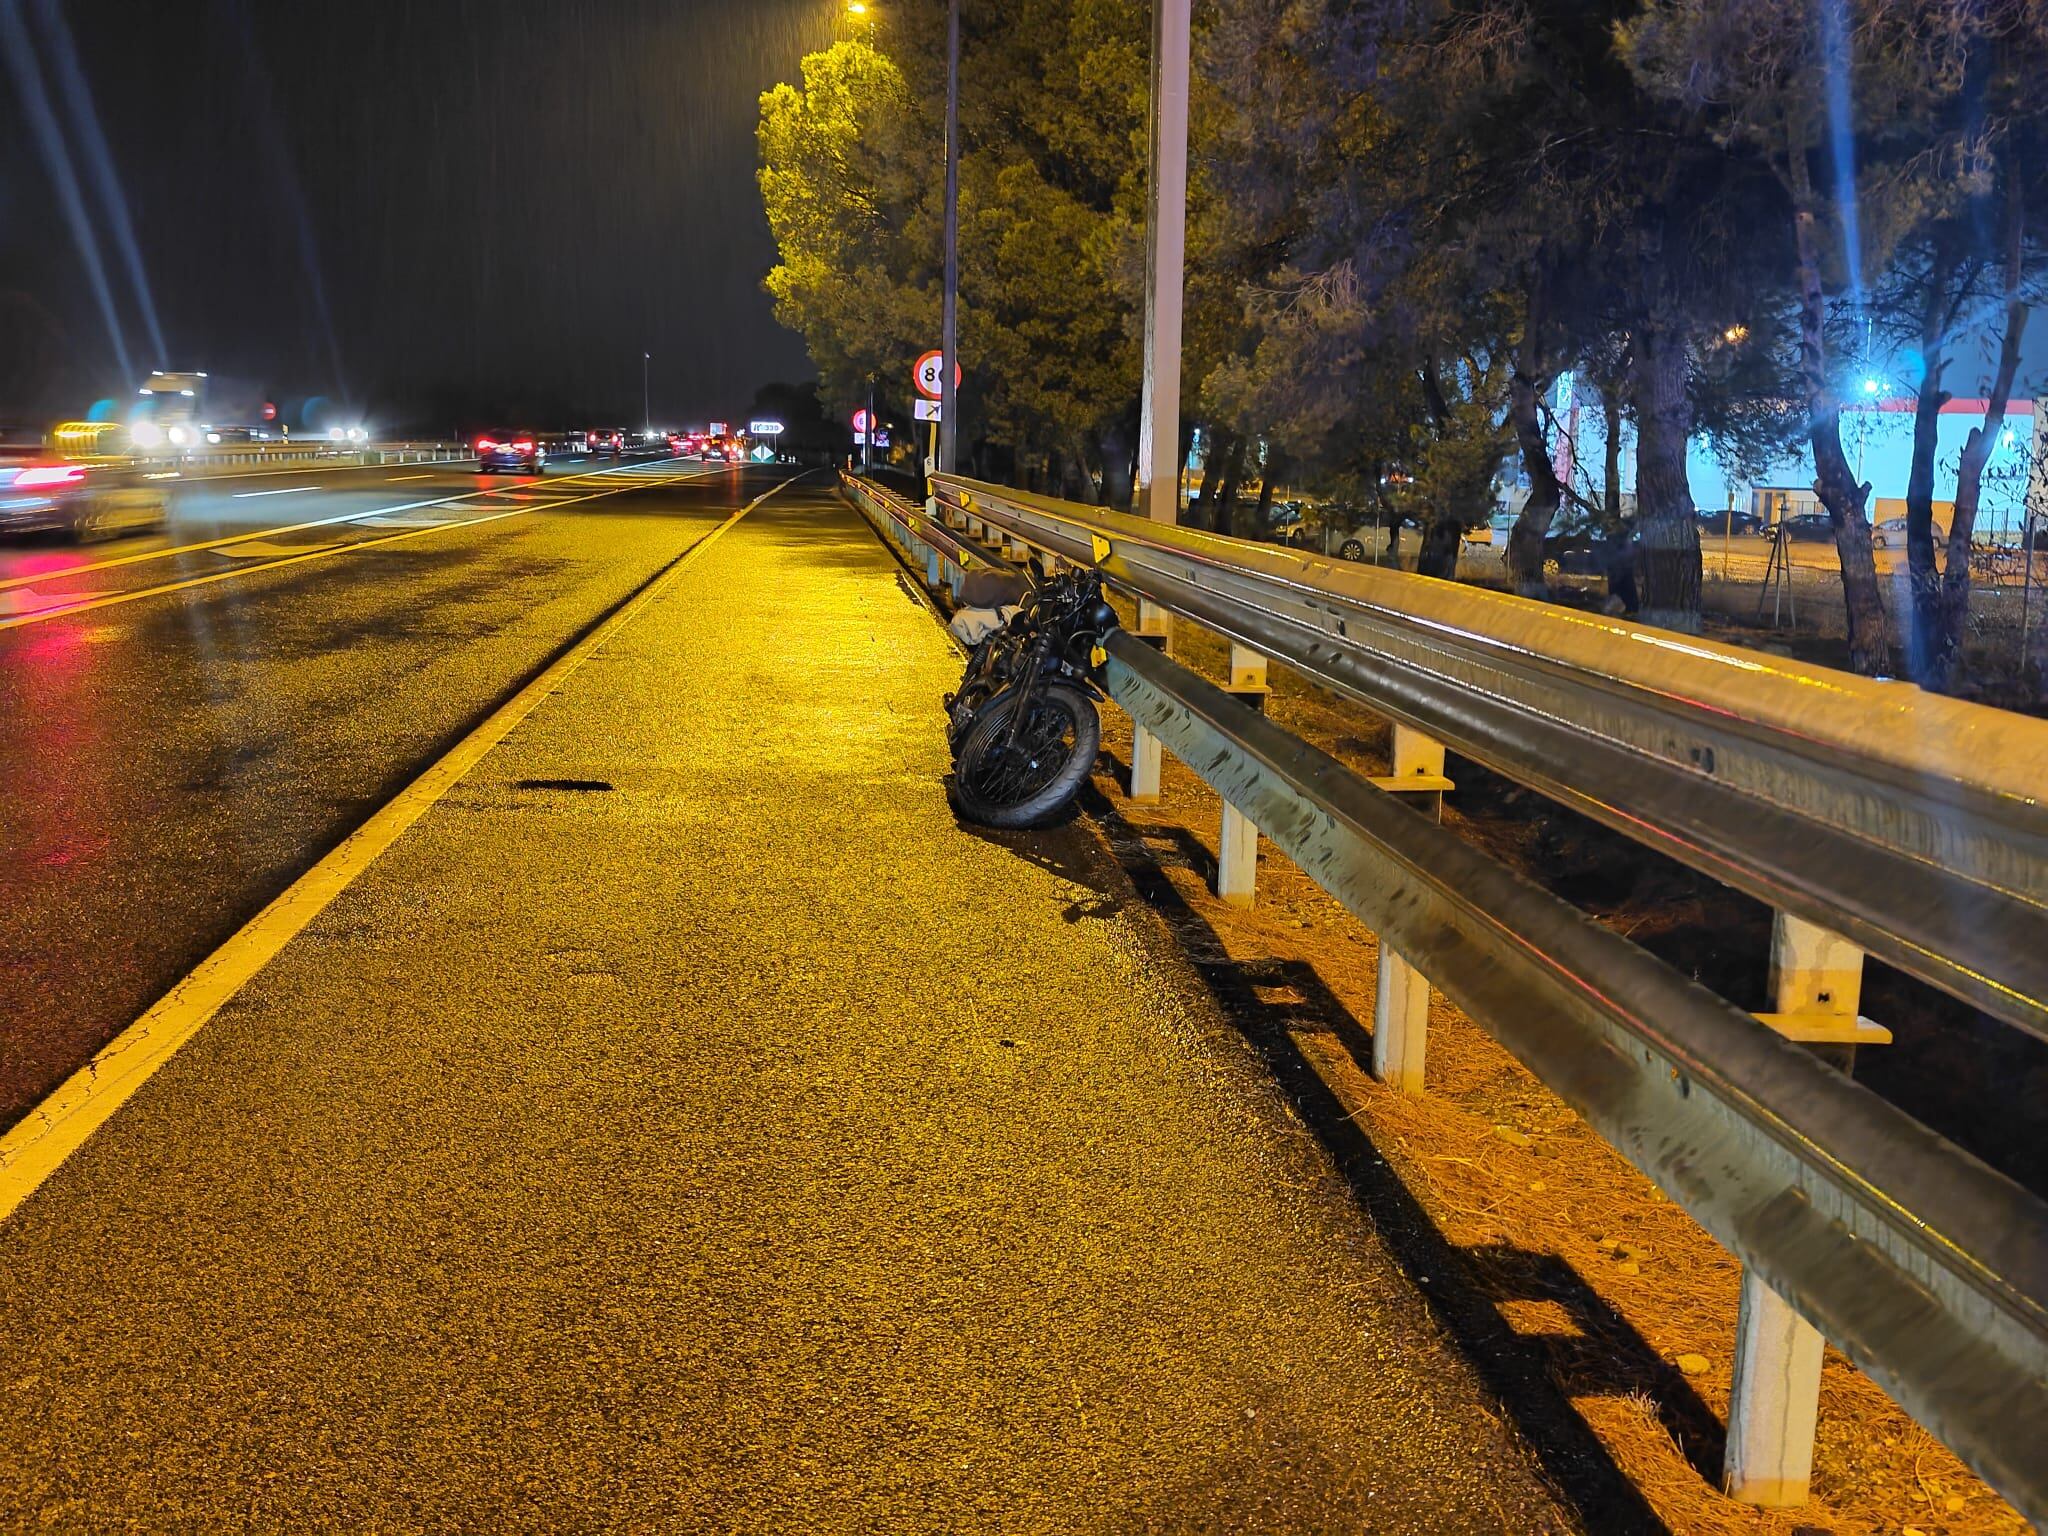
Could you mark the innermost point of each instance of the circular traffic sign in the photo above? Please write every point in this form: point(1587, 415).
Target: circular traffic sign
point(860, 421)
point(929, 374)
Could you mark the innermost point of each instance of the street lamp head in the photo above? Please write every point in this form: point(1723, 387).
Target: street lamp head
point(856, 9)
point(1872, 385)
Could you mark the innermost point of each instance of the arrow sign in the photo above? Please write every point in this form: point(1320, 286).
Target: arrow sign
point(927, 410)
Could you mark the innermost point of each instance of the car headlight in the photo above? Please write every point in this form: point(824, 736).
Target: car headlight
point(146, 434)
point(358, 435)
point(180, 435)
point(335, 434)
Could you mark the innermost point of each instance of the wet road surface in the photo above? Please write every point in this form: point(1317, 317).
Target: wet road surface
point(731, 1142)
point(184, 729)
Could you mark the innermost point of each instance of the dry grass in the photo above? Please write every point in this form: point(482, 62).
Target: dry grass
point(1581, 1255)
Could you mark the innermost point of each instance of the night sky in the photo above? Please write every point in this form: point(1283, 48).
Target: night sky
point(446, 211)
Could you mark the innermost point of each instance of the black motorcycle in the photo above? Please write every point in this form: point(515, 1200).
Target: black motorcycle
point(1022, 725)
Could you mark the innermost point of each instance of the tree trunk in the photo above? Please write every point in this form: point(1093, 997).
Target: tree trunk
point(1438, 555)
point(1667, 531)
point(1202, 505)
point(1610, 408)
point(1923, 574)
point(1233, 473)
point(1264, 516)
point(1114, 448)
point(1076, 483)
point(1532, 524)
point(1870, 649)
point(1923, 577)
point(1945, 664)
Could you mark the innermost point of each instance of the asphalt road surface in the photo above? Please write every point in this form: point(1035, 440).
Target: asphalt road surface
point(188, 720)
point(688, 1126)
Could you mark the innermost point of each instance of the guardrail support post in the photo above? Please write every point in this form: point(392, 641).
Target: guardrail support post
point(1400, 1022)
point(1400, 1007)
point(1153, 626)
point(1237, 844)
point(1776, 1395)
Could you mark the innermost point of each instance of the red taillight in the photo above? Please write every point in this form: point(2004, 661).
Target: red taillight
point(58, 474)
point(523, 447)
point(484, 445)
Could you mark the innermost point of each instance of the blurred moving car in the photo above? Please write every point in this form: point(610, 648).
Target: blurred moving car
point(601, 441)
point(510, 450)
point(43, 492)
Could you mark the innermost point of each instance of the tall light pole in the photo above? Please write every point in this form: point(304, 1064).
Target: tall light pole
point(646, 410)
point(1166, 214)
point(949, 322)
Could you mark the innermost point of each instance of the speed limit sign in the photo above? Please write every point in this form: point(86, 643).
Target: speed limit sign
point(930, 373)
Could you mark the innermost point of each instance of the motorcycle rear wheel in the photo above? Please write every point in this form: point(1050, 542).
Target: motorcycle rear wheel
point(1027, 782)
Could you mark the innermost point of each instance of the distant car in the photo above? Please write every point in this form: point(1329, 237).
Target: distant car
point(1809, 527)
point(510, 450)
point(1739, 525)
point(1367, 541)
point(43, 492)
point(1893, 531)
point(605, 441)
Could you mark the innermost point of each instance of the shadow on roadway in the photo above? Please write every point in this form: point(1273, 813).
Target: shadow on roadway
point(1532, 1377)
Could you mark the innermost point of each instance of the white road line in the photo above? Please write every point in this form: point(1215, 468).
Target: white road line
point(58, 1126)
point(288, 490)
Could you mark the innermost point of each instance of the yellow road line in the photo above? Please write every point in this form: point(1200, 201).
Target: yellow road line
point(115, 599)
point(144, 556)
point(85, 1101)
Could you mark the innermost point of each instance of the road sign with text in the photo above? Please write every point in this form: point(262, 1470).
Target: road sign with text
point(929, 374)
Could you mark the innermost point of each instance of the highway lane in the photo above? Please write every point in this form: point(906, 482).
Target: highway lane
point(214, 718)
point(240, 518)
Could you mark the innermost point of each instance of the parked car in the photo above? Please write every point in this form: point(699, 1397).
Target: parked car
point(1368, 541)
point(44, 492)
point(1893, 531)
point(1740, 525)
point(510, 450)
point(1814, 527)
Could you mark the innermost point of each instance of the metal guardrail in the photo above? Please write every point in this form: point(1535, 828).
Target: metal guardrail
point(1912, 824)
point(1926, 1268)
point(920, 539)
point(259, 456)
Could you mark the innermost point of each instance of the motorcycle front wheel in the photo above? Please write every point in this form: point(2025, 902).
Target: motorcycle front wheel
point(1026, 782)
